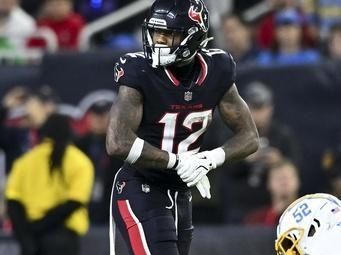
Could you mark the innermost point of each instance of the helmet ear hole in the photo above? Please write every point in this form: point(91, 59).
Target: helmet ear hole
point(312, 231)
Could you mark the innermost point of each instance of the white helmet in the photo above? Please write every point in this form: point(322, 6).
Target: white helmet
point(310, 226)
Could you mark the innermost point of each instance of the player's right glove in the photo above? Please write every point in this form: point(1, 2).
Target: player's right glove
point(204, 162)
point(186, 161)
point(188, 166)
point(193, 168)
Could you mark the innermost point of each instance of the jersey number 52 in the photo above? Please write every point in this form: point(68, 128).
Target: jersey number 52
point(302, 211)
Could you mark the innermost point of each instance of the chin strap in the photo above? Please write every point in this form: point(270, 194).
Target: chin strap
point(161, 55)
point(203, 44)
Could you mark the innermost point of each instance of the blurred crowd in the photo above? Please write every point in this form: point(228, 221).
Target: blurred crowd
point(284, 32)
point(50, 25)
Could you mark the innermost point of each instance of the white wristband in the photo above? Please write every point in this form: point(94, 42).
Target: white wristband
point(218, 155)
point(171, 160)
point(135, 151)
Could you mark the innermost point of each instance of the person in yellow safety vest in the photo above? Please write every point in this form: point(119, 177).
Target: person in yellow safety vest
point(47, 193)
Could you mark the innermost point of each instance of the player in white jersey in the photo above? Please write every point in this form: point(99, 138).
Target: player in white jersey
point(310, 226)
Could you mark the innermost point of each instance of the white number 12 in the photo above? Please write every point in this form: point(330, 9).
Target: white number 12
point(169, 120)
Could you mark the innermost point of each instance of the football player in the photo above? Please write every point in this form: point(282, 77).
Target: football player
point(167, 95)
point(310, 226)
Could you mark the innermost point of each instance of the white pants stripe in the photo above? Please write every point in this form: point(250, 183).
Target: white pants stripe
point(112, 226)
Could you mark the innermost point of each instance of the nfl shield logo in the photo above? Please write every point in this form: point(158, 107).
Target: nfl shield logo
point(188, 96)
point(145, 188)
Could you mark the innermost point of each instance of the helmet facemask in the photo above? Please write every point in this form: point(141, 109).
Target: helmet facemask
point(161, 54)
point(288, 242)
point(178, 50)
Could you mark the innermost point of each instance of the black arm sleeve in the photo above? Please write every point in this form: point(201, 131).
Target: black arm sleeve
point(55, 217)
point(21, 227)
point(17, 214)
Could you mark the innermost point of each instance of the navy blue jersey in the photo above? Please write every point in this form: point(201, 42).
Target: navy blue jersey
point(175, 115)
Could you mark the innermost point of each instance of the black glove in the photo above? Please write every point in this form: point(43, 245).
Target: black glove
point(54, 217)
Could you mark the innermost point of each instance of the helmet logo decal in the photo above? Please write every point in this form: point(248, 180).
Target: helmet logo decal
point(195, 14)
point(118, 72)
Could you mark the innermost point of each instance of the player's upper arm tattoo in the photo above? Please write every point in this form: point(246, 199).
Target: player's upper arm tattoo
point(234, 110)
point(125, 118)
point(236, 114)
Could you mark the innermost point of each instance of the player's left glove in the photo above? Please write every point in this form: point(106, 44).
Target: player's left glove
point(204, 187)
point(198, 165)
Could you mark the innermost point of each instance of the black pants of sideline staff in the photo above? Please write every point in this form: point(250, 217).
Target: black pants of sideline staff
point(61, 241)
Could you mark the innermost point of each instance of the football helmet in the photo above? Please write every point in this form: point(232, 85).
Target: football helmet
point(187, 18)
point(310, 226)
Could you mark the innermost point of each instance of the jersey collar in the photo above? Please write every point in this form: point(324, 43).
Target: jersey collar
point(201, 78)
point(204, 69)
point(172, 77)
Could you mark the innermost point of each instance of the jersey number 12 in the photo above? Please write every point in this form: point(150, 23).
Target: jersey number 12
point(169, 120)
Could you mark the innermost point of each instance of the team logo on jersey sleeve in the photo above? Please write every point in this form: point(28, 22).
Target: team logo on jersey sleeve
point(118, 72)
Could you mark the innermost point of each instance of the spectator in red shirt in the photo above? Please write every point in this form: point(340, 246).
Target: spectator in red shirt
point(289, 47)
point(265, 31)
point(59, 16)
point(283, 184)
